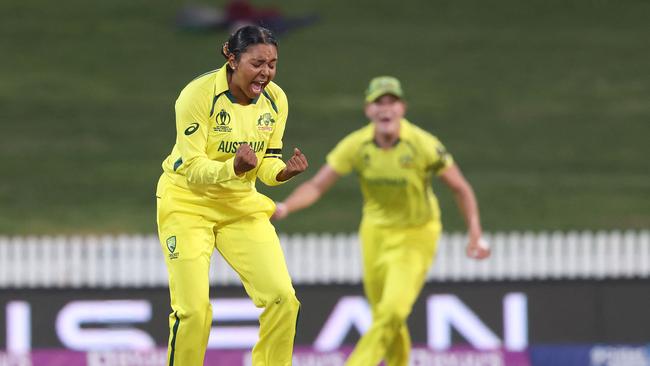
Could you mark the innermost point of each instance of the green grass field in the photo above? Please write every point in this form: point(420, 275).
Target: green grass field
point(545, 104)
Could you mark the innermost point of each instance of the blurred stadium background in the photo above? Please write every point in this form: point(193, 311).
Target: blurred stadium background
point(544, 104)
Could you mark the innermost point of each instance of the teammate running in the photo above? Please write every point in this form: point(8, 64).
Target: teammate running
point(394, 161)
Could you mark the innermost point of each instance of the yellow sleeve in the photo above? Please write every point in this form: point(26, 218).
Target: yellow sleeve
point(341, 158)
point(272, 163)
point(438, 158)
point(192, 125)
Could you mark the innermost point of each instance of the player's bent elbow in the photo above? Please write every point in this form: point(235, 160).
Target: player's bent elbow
point(271, 182)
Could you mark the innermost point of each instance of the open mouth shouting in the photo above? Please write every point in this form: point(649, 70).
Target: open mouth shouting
point(385, 119)
point(258, 86)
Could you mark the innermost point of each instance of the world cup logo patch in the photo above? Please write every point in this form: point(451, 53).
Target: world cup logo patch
point(223, 120)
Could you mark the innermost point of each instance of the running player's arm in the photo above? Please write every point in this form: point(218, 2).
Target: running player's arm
point(443, 165)
point(307, 193)
point(192, 125)
point(339, 163)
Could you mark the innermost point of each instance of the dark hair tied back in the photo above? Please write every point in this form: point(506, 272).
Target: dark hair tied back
point(245, 37)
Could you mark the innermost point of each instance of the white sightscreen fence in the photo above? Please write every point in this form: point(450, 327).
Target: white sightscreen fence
point(137, 260)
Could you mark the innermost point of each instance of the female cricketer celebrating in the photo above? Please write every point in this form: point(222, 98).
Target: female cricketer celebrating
point(394, 160)
point(229, 126)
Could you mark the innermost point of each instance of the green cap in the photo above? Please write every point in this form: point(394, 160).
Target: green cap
point(383, 85)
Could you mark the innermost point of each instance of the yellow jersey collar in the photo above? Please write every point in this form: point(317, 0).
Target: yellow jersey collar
point(404, 129)
point(221, 82)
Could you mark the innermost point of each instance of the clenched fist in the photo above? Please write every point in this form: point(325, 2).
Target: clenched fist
point(245, 159)
point(478, 249)
point(295, 165)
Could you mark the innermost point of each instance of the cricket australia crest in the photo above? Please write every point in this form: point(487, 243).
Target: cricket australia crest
point(265, 122)
point(171, 246)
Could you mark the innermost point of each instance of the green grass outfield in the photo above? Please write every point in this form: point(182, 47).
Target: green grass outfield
point(545, 104)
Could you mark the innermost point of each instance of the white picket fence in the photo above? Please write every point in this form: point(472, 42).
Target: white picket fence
point(137, 260)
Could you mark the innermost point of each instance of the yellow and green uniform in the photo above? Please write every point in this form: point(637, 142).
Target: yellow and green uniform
point(202, 205)
point(399, 230)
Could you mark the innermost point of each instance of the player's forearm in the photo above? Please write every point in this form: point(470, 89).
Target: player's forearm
point(269, 170)
point(201, 170)
point(468, 206)
point(304, 196)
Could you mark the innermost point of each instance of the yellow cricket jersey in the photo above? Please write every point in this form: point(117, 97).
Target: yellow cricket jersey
point(395, 182)
point(210, 126)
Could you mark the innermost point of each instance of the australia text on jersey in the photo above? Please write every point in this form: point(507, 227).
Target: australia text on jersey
point(231, 146)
